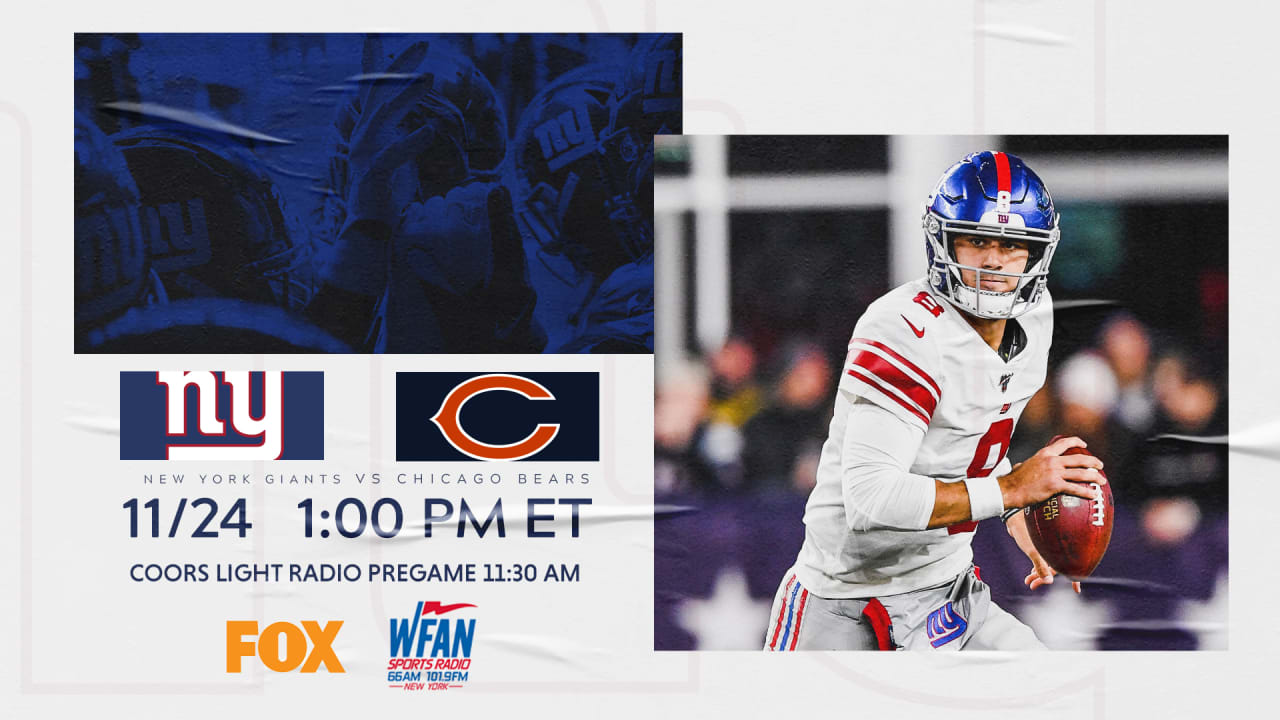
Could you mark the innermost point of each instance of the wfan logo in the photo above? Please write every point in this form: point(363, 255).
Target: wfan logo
point(431, 653)
point(233, 415)
point(497, 416)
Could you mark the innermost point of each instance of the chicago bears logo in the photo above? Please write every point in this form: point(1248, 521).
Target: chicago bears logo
point(447, 418)
point(497, 416)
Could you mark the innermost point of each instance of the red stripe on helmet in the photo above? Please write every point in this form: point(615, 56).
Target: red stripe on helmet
point(1003, 182)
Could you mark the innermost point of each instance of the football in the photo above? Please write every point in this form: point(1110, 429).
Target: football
point(1071, 533)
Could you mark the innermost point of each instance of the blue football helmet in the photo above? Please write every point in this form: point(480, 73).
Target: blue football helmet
point(990, 194)
point(214, 222)
point(113, 272)
point(583, 170)
point(654, 72)
point(457, 99)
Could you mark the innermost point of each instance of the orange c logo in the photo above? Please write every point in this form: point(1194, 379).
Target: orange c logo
point(447, 418)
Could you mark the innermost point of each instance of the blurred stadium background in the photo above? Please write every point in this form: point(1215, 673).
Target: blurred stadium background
point(768, 251)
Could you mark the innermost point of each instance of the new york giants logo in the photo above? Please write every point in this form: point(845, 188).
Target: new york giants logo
point(566, 137)
point(233, 415)
point(662, 82)
point(945, 625)
point(497, 416)
point(179, 234)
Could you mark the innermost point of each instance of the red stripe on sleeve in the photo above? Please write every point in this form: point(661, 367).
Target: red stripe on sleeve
point(893, 354)
point(894, 376)
point(1003, 182)
point(858, 373)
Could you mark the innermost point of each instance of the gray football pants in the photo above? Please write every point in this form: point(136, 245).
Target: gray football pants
point(958, 615)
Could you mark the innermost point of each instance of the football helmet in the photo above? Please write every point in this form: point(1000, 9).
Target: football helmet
point(471, 124)
point(214, 221)
point(583, 172)
point(990, 194)
point(655, 72)
point(111, 268)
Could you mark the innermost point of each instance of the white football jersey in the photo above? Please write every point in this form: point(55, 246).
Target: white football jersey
point(913, 354)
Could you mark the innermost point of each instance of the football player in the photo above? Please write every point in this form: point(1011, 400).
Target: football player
point(938, 371)
point(221, 265)
point(584, 175)
point(112, 268)
point(427, 257)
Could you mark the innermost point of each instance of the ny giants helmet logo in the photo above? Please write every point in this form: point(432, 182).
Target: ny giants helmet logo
point(447, 418)
point(179, 234)
point(662, 83)
point(565, 137)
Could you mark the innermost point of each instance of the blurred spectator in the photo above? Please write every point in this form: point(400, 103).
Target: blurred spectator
point(1126, 345)
point(781, 444)
point(1187, 461)
point(1168, 521)
point(1036, 427)
point(1087, 395)
point(679, 419)
point(735, 395)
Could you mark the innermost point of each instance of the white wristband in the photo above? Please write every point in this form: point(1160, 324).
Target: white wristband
point(985, 499)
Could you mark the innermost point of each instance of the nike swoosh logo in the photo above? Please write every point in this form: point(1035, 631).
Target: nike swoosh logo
point(918, 331)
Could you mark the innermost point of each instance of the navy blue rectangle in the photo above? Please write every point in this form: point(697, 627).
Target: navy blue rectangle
point(143, 415)
point(498, 417)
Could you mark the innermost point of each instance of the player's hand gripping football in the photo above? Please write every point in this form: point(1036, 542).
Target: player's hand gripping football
point(1049, 472)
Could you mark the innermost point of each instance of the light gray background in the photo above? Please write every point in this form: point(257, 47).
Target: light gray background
point(945, 66)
